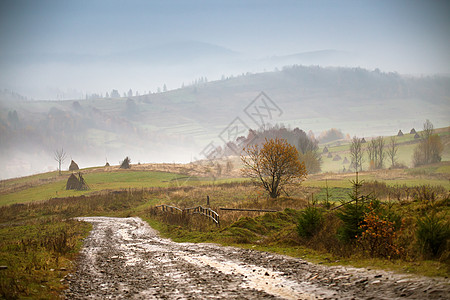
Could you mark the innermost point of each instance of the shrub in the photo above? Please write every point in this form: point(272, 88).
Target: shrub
point(432, 234)
point(379, 233)
point(310, 222)
point(352, 214)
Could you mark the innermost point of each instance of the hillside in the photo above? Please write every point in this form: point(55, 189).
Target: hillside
point(178, 124)
point(406, 145)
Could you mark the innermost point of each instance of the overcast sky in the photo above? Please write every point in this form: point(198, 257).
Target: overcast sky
point(406, 36)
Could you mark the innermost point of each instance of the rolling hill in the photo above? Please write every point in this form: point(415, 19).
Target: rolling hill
point(177, 125)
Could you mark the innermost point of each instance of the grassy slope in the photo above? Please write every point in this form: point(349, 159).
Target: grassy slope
point(406, 144)
point(97, 181)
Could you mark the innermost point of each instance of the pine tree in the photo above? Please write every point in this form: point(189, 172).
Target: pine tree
point(352, 213)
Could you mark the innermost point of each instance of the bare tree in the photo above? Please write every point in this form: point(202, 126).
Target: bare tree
point(380, 152)
point(427, 133)
point(375, 151)
point(392, 149)
point(60, 157)
point(372, 153)
point(356, 153)
point(430, 148)
point(428, 129)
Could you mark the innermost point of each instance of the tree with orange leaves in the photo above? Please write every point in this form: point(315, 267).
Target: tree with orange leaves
point(273, 166)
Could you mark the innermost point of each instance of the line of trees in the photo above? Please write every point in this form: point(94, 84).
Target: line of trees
point(428, 150)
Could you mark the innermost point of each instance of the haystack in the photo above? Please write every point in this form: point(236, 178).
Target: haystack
point(337, 157)
point(73, 166)
point(400, 133)
point(413, 131)
point(73, 183)
point(329, 155)
point(325, 150)
point(417, 136)
point(107, 164)
point(363, 140)
point(76, 183)
point(345, 160)
point(126, 163)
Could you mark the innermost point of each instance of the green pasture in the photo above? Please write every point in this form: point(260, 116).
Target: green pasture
point(98, 181)
point(406, 145)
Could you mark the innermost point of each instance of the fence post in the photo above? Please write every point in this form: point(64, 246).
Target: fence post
point(207, 200)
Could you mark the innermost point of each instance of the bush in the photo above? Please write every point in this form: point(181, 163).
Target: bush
point(432, 234)
point(352, 214)
point(379, 236)
point(310, 222)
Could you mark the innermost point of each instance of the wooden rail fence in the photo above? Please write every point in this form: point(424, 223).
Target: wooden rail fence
point(204, 211)
point(249, 209)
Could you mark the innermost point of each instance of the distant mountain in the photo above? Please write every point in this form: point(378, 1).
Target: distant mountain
point(176, 53)
point(162, 54)
point(327, 57)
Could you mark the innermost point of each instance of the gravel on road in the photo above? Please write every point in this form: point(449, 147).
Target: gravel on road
point(125, 258)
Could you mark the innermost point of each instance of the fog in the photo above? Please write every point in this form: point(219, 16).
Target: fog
point(71, 50)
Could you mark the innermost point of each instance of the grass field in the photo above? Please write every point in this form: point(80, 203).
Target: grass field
point(406, 146)
point(36, 188)
point(97, 181)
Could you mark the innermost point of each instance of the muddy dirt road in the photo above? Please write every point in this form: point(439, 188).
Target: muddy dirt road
point(125, 258)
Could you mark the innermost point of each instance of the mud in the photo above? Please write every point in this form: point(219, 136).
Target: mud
point(125, 258)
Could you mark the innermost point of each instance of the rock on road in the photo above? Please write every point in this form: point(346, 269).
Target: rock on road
point(125, 258)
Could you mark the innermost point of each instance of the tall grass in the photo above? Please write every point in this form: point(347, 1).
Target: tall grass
point(37, 253)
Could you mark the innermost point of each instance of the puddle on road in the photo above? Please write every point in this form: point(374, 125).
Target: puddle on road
point(255, 277)
point(134, 239)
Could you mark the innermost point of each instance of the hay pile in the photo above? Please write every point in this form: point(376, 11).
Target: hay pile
point(400, 133)
point(337, 157)
point(329, 155)
point(325, 150)
point(126, 164)
point(73, 166)
point(363, 140)
point(345, 160)
point(413, 131)
point(417, 136)
point(76, 183)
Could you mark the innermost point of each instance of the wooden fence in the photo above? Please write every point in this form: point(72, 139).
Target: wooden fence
point(204, 211)
point(249, 209)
